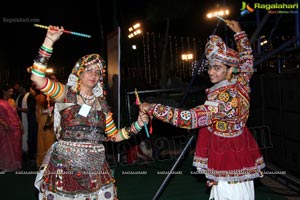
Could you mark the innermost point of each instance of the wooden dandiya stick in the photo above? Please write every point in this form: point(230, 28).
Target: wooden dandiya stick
point(138, 102)
point(65, 31)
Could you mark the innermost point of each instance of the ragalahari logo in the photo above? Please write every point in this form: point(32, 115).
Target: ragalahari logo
point(271, 8)
point(246, 9)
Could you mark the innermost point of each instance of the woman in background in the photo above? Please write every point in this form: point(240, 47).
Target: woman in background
point(10, 135)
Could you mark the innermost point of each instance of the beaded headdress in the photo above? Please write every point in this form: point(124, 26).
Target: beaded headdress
point(216, 50)
point(80, 65)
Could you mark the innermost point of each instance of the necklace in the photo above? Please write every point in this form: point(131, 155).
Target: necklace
point(88, 99)
point(86, 96)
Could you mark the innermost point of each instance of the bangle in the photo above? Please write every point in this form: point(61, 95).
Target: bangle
point(137, 127)
point(38, 69)
point(40, 58)
point(44, 86)
point(47, 49)
point(44, 55)
point(37, 73)
point(124, 134)
point(133, 129)
point(110, 127)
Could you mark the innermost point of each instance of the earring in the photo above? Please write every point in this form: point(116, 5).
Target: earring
point(229, 77)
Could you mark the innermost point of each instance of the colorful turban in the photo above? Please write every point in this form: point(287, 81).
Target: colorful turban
point(216, 50)
point(80, 65)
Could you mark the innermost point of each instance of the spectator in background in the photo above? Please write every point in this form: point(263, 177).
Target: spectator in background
point(7, 95)
point(10, 134)
point(18, 94)
point(22, 109)
point(45, 118)
point(29, 121)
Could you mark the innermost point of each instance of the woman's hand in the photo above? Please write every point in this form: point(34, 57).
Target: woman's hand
point(53, 34)
point(143, 118)
point(234, 25)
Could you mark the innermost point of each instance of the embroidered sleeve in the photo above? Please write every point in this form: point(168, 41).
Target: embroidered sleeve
point(199, 116)
point(246, 57)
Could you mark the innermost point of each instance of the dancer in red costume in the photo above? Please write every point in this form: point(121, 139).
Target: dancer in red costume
point(226, 152)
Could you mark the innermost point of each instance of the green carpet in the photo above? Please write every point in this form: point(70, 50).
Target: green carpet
point(183, 185)
point(137, 182)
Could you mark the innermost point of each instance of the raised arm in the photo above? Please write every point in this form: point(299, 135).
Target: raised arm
point(245, 67)
point(48, 87)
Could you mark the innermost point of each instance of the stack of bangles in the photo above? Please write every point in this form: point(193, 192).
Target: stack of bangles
point(125, 133)
point(51, 88)
point(40, 62)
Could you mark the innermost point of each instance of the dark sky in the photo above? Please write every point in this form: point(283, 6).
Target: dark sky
point(21, 40)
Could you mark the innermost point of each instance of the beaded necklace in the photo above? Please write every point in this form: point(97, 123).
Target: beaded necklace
point(89, 99)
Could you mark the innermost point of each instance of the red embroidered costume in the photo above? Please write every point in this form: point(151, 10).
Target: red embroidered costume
point(226, 150)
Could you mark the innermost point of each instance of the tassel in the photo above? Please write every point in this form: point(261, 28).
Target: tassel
point(150, 123)
point(48, 104)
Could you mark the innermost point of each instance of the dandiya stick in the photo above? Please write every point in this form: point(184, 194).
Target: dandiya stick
point(224, 20)
point(65, 31)
point(138, 102)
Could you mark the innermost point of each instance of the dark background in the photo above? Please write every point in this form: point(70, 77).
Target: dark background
point(275, 96)
point(21, 40)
